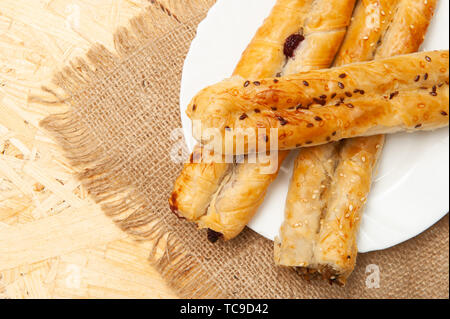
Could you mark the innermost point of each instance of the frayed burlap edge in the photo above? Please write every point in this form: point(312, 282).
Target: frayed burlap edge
point(98, 174)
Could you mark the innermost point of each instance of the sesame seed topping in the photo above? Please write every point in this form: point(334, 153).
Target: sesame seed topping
point(257, 111)
point(194, 107)
point(273, 108)
point(305, 83)
point(247, 83)
point(318, 118)
point(417, 78)
point(428, 58)
point(275, 81)
point(257, 83)
point(443, 113)
point(243, 117)
point(351, 106)
point(348, 94)
point(350, 208)
point(418, 126)
point(309, 125)
point(343, 75)
point(393, 95)
point(282, 120)
point(425, 77)
point(341, 85)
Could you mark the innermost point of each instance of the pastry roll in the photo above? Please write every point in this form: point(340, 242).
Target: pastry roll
point(348, 182)
point(200, 180)
point(297, 36)
point(403, 93)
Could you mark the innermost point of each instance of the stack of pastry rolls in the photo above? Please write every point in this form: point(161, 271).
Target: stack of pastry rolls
point(331, 183)
point(278, 84)
point(299, 35)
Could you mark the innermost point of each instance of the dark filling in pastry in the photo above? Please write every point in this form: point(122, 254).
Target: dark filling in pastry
point(213, 236)
point(292, 43)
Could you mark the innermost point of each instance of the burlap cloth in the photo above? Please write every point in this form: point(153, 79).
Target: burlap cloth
point(123, 108)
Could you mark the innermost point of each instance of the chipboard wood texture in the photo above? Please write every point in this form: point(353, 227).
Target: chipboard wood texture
point(54, 241)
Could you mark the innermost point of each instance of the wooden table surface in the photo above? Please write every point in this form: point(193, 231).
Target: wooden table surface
point(54, 241)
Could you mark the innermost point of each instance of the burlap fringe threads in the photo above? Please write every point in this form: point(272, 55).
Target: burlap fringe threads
point(98, 174)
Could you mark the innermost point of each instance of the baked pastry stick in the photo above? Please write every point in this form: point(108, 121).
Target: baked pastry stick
point(298, 35)
point(200, 179)
point(403, 93)
point(358, 157)
point(341, 191)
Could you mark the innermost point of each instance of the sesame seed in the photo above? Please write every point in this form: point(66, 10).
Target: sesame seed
point(282, 120)
point(417, 78)
point(247, 83)
point(257, 83)
point(341, 85)
point(428, 58)
point(243, 117)
point(363, 159)
point(350, 207)
point(305, 83)
point(257, 111)
point(443, 113)
point(366, 38)
point(343, 75)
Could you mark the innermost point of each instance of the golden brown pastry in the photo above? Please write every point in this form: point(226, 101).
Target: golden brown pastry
point(332, 249)
point(298, 35)
point(403, 93)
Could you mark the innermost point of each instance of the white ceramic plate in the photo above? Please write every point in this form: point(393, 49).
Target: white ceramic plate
point(411, 192)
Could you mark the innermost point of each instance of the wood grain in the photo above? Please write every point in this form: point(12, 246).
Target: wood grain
point(54, 241)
